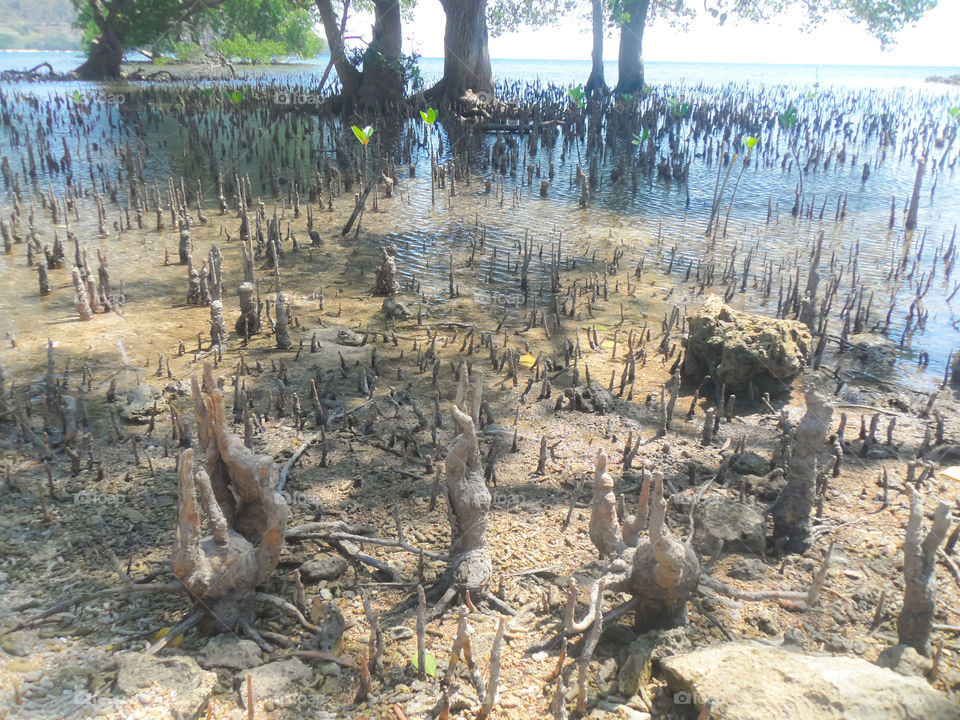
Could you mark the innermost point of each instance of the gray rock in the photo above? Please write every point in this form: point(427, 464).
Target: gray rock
point(904, 660)
point(758, 682)
point(874, 350)
point(394, 309)
point(735, 348)
point(328, 567)
point(273, 680)
point(747, 568)
point(191, 687)
point(637, 666)
point(749, 463)
point(231, 652)
point(19, 644)
point(177, 388)
point(625, 712)
point(136, 404)
point(345, 336)
point(877, 451)
point(767, 489)
point(593, 398)
point(720, 521)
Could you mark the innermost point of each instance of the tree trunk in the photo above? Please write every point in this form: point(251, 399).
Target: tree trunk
point(596, 83)
point(383, 60)
point(466, 59)
point(630, 60)
point(348, 74)
point(106, 51)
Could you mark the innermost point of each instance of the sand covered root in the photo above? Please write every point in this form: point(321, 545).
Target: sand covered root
point(791, 512)
point(915, 622)
point(468, 503)
point(247, 515)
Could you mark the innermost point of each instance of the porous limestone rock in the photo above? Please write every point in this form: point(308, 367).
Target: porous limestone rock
point(735, 348)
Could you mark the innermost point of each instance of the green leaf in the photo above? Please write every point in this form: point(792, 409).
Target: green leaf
point(628, 97)
point(363, 135)
point(789, 118)
point(236, 96)
point(577, 95)
point(954, 113)
point(750, 141)
point(429, 117)
point(429, 663)
point(638, 139)
point(77, 96)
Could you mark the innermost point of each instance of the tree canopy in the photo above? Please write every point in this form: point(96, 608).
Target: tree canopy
point(882, 18)
point(246, 29)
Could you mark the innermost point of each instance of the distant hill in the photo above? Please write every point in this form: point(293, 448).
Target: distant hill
point(38, 24)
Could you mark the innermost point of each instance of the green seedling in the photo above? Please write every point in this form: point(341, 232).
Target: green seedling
point(789, 118)
point(641, 138)
point(954, 113)
point(430, 117)
point(677, 108)
point(577, 94)
point(363, 135)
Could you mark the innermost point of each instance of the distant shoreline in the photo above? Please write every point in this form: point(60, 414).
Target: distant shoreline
point(608, 61)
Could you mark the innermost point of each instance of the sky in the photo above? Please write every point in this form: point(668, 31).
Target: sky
point(931, 42)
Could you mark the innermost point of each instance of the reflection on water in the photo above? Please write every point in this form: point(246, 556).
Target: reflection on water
point(155, 139)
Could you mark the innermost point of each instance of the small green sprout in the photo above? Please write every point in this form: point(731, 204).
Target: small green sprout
point(363, 135)
point(638, 139)
point(429, 117)
point(954, 113)
point(677, 108)
point(750, 142)
point(577, 95)
point(789, 118)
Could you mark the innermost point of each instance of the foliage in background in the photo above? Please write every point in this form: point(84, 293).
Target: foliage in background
point(882, 18)
point(243, 30)
point(506, 16)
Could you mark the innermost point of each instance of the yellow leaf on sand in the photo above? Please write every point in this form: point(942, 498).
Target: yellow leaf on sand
point(162, 632)
point(952, 472)
point(527, 360)
point(608, 344)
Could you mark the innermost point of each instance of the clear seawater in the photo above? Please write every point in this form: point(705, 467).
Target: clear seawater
point(567, 72)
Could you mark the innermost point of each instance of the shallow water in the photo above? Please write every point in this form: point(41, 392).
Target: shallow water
point(661, 223)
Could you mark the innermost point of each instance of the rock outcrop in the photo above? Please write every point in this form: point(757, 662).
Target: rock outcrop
point(721, 522)
point(189, 687)
point(736, 348)
point(752, 681)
